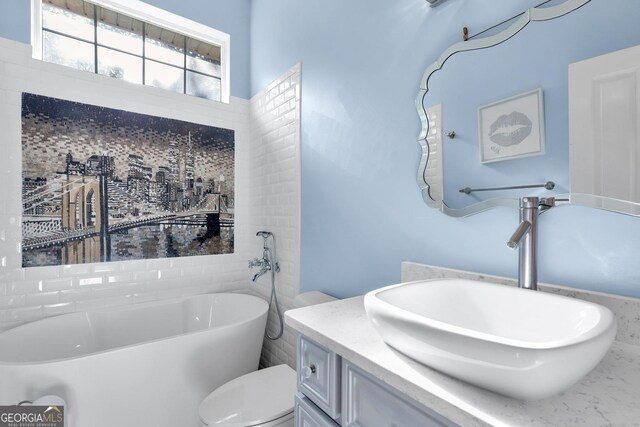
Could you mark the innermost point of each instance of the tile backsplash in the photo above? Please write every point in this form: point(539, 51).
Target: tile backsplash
point(266, 183)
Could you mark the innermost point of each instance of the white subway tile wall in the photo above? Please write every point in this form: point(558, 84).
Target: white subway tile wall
point(267, 169)
point(275, 199)
point(34, 293)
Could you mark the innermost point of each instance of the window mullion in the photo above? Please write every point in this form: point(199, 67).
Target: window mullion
point(106, 46)
point(47, 30)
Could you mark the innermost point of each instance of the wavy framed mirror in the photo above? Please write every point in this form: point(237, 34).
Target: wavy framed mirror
point(532, 53)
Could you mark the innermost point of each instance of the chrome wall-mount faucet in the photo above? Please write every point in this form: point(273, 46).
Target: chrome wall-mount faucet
point(268, 263)
point(265, 263)
point(525, 238)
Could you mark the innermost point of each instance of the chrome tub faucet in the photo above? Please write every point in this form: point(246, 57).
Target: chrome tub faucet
point(265, 263)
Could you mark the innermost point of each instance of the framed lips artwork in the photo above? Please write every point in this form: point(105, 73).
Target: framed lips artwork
point(512, 128)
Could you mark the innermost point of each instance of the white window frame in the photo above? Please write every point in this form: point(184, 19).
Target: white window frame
point(156, 16)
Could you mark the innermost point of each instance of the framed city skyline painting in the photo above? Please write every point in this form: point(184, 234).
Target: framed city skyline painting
point(100, 184)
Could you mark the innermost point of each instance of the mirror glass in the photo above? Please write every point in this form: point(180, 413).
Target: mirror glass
point(507, 74)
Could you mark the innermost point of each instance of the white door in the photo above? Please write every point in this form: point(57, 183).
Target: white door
point(604, 133)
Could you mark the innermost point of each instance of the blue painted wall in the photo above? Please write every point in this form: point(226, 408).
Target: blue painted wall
point(229, 16)
point(15, 20)
point(362, 213)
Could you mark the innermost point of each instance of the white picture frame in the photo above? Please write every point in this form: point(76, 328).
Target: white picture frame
point(512, 128)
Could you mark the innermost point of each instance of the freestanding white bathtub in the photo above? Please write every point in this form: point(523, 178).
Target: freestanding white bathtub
point(142, 365)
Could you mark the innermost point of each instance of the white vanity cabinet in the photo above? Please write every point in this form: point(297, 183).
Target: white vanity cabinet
point(319, 376)
point(334, 392)
point(309, 415)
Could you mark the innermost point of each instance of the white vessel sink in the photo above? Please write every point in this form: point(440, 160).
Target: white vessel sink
point(516, 342)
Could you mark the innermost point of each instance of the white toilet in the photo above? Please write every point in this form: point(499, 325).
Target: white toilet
point(262, 398)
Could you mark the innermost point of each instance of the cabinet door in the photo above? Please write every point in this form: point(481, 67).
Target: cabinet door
point(369, 403)
point(308, 415)
point(319, 376)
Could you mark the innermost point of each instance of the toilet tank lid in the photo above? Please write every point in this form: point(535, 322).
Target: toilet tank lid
point(255, 398)
point(311, 298)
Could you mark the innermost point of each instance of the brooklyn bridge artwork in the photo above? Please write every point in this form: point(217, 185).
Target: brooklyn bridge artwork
point(100, 184)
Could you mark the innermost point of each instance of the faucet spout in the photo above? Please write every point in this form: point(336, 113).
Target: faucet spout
point(519, 234)
point(262, 271)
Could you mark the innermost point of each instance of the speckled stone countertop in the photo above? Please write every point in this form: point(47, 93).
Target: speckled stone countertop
point(608, 396)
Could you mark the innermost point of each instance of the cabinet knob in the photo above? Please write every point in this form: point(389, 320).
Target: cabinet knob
point(307, 371)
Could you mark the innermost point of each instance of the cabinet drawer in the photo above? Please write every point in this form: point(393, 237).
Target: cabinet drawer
point(308, 415)
point(319, 376)
point(366, 402)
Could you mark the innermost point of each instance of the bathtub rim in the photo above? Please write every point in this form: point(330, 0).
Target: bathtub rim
point(137, 344)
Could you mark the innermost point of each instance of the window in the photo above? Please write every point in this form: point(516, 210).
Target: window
point(135, 42)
